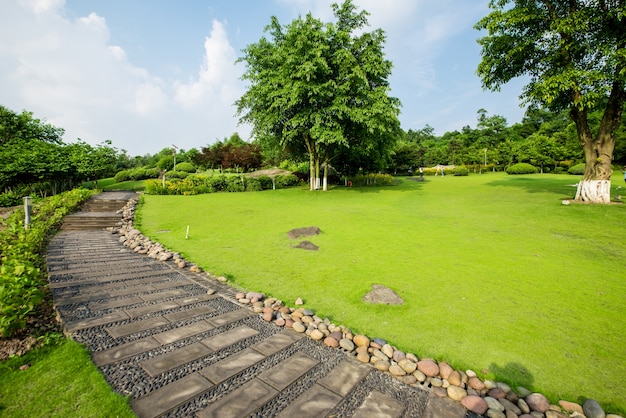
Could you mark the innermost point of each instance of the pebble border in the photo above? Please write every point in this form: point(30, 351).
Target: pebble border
point(481, 397)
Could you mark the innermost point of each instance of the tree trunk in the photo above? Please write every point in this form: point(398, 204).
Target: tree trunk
point(312, 158)
point(595, 187)
point(325, 188)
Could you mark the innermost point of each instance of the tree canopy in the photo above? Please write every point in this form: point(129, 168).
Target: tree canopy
point(574, 52)
point(321, 89)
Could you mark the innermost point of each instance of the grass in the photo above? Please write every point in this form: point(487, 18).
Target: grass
point(61, 382)
point(496, 274)
point(110, 184)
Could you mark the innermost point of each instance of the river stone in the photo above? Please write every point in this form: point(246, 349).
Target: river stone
point(398, 355)
point(412, 357)
point(454, 378)
point(490, 384)
point(383, 295)
point(476, 384)
point(445, 369)
point(307, 245)
point(409, 379)
point(494, 404)
point(555, 414)
point(382, 365)
point(363, 357)
point(510, 406)
point(523, 392)
point(476, 404)
point(421, 377)
point(456, 393)
point(255, 295)
point(571, 406)
point(299, 327)
point(387, 350)
point(268, 316)
point(521, 403)
point(346, 344)
point(331, 342)
point(407, 365)
point(592, 409)
point(537, 402)
point(506, 388)
point(494, 413)
point(497, 393)
point(396, 370)
point(361, 340)
point(380, 355)
point(428, 367)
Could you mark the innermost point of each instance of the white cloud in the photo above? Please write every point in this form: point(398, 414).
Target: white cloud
point(217, 75)
point(43, 6)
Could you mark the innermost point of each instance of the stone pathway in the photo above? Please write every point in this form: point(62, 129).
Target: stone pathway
point(178, 349)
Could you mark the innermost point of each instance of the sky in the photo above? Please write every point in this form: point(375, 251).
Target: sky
point(150, 74)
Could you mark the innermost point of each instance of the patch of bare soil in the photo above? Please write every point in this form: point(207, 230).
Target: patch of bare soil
point(307, 231)
point(42, 321)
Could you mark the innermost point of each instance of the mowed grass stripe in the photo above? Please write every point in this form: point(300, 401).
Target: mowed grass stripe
point(495, 272)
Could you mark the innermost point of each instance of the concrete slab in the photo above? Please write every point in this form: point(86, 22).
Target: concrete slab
point(195, 299)
point(232, 365)
point(277, 342)
point(314, 403)
point(228, 338)
point(116, 303)
point(345, 376)
point(122, 352)
point(156, 307)
point(255, 393)
point(443, 408)
point(288, 371)
point(170, 396)
point(229, 317)
point(164, 295)
point(95, 321)
point(379, 405)
point(173, 359)
point(189, 313)
point(181, 333)
point(138, 326)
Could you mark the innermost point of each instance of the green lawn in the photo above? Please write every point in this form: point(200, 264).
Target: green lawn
point(61, 382)
point(495, 272)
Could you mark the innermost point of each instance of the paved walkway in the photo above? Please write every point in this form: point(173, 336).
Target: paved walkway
point(159, 336)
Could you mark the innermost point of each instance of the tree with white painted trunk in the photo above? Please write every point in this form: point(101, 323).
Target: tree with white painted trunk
point(574, 52)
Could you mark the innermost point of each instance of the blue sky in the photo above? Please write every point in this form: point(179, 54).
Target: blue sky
point(147, 74)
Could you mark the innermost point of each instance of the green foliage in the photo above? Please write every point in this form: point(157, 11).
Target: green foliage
point(176, 174)
point(373, 179)
point(460, 171)
point(266, 182)
point(21, 280)
point(578, 169)
point(185, 167)
point(522, 168)
point(320, 90)
point(253, 185)
point(286, 180)
point(139, 173)
point(235, 184)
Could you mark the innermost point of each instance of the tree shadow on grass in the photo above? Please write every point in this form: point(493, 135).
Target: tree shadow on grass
point(513, 373)
point(407, 184)
point(540, 183)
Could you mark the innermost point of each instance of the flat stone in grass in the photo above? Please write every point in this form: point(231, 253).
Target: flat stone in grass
point(382, 294)
point(307, 245)
point(304, 232)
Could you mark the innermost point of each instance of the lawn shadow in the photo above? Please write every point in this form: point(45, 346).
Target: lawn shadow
point(407, 184)
point(515, 373)
point(540, 184)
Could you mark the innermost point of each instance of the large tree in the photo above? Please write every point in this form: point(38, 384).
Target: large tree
point(574, 52)
point(321, 89)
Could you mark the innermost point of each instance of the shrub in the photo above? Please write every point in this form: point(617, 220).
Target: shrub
point(21, 280)
point(578, 169)
point(522, 168)
point(121, 176)
point(155, 187)
point(559, 170)
point(217, 183)
point(176, 174)
point(253, 185)
point(235, 184)
point(10, 199)
point(186, 167)
point(266, 182)
point(286, 180)
point(374, 179)
point(460, 171)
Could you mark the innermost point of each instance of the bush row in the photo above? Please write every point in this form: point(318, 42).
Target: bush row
point(140, 173)
point(193, 184)
point(21, 279)
point(374, 179)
